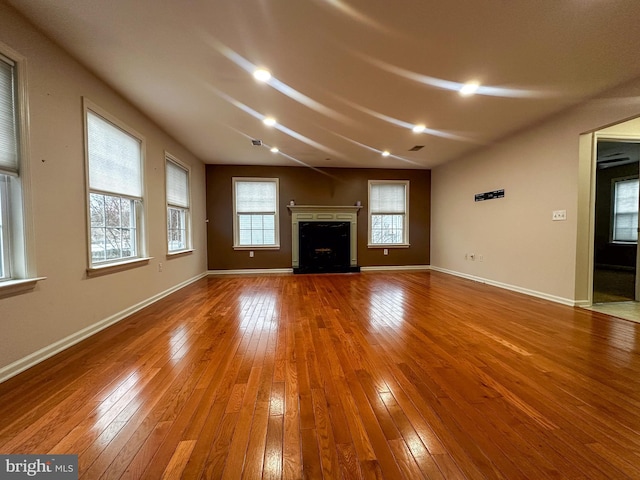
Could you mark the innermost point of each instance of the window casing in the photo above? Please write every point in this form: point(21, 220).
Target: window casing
point(255, 213)
point(625, 211)
point(178, 206)
point(17, 266)
point(388, 213)
point(115, 190)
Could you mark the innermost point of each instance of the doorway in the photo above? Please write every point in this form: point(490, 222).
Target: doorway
point(615, 254)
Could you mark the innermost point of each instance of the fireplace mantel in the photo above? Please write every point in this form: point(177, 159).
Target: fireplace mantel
point(323, 213)
point(324, 209)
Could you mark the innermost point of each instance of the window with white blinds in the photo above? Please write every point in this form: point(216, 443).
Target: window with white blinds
point(255, 202)
point(8, 161)
point(388, 213)
point(114, 158)
point(625, 211)
point(8, 118)
point(178, 206)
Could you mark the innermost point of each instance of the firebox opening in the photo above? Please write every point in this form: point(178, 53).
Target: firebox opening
point(324, 247)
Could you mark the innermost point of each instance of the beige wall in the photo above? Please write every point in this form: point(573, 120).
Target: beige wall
point(68, 301)
point(539, 170)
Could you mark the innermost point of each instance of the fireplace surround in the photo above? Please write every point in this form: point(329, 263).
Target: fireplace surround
point(324, 238)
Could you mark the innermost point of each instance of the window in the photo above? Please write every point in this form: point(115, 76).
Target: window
point(16, 237)
point(114, 156)
point(178, 212)
point(388, 213)
point(625, 210)
point(255, 210)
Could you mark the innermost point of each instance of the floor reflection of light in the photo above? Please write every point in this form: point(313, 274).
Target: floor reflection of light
point(126, 387)
point(622, 337)
point(386, 308)
point(177, 342)
point(258, 307)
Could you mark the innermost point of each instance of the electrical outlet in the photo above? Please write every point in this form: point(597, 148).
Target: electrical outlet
point(386, 251)
point(481, 258)
point(559, 215)
point(160, 267)
point(250, 253)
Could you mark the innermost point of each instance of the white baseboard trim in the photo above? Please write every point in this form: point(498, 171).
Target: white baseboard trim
point(506, 286)
point(389, 268)
point(582, 303)
point(33, 359)
point(250, 271)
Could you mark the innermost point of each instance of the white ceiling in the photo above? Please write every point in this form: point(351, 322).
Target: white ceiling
point(353, 76)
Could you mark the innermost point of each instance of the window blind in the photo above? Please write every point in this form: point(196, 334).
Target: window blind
point(8, 120)
point(387, 198)
point(255, 197)
point(177, 185)
point(114, 158)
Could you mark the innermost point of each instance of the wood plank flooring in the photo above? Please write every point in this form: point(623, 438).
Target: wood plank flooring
point(373, 375)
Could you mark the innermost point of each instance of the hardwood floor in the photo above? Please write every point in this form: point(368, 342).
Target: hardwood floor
point(373, 375)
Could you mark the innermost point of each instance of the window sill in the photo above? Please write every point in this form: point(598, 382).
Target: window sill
point(98, 270)
point(388, 245)
point(16, 287)
point(180, 253)
point(257, 247)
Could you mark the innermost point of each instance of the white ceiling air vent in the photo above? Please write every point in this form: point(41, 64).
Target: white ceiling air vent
point(256, 142)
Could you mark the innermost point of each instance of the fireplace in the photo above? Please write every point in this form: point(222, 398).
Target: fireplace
point(324, 247)
point(324, 238)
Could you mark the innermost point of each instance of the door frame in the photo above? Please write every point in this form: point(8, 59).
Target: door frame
point(595, 138)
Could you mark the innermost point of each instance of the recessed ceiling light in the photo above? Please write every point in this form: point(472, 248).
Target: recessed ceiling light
point(262, 75)
point(469, 89)
point(418, 128)
point(385, 153)
point(274, 150)
point(269, 121)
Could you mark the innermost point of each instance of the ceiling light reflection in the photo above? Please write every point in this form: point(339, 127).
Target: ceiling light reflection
point(469, 89)
point(455, 86)
point(282, 128)
point(400, 123)
point(283, 88)
point(269, 121)
point(376, 150)
point(262, 75)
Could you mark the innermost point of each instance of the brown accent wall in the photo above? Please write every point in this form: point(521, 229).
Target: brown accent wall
point(329, 186)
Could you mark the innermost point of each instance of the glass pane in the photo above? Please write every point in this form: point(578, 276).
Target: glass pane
point(127, 207)
point(256, 222)
point(127, 250)
point(244, 222)
point(269, 237)
point(113, 243)
point(257, 237)
point(96, 206)
point(245, 237)
point(112, 211)
point(98, 251)
point(387, 229)
point(269, 221)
